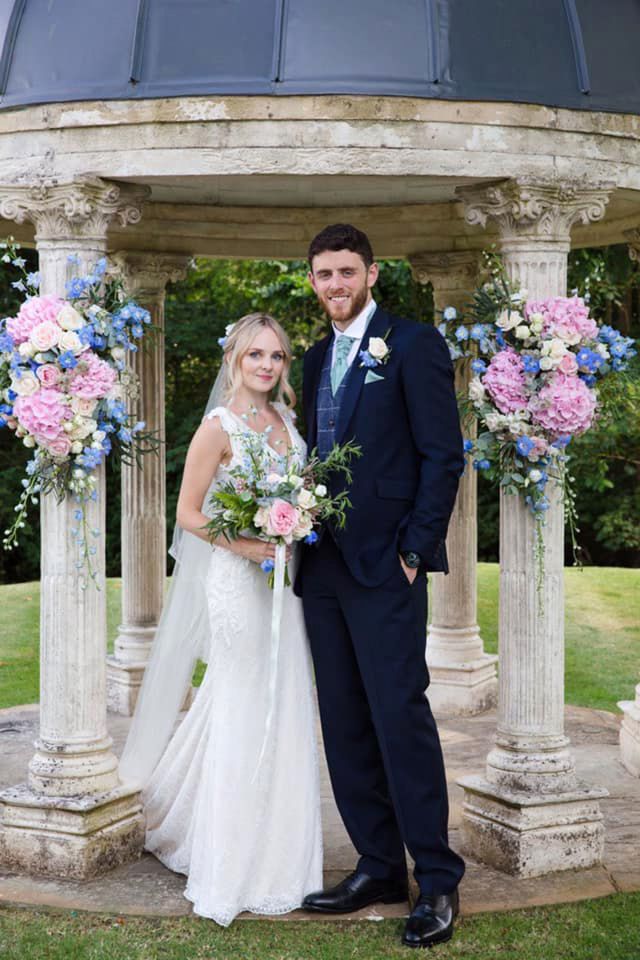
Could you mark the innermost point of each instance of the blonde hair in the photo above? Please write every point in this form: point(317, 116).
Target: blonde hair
point(238, 341)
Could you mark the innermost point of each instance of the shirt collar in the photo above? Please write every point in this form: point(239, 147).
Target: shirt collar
point(356, 329)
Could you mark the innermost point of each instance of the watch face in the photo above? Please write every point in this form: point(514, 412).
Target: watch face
point(412, 560)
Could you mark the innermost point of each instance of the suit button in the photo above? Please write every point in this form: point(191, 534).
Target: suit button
point(332, 423)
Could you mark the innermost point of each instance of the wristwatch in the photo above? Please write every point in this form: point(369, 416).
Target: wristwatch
point(412, 560)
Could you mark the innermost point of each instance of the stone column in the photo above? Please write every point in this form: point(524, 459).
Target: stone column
point(630, 728)
point(530, 815)
point(72, 819)
point(143, 523)
point(463, 676)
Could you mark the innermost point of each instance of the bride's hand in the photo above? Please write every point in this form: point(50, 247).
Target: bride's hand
point(255, 550)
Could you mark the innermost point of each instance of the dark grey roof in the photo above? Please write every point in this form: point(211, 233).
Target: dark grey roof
point(569, 53)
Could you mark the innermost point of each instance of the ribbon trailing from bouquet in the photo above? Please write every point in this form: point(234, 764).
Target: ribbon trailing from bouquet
point(276, 622)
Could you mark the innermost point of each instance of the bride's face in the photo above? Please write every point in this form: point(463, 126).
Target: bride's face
point(262, 364)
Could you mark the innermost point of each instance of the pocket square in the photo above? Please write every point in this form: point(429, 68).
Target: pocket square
point(371, 377)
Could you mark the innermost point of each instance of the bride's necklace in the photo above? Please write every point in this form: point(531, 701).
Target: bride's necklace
point(253, 412)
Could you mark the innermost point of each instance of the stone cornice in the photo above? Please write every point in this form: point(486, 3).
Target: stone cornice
point(454, 269)
point(81, 208)
point(146, 273)
point(537, 209)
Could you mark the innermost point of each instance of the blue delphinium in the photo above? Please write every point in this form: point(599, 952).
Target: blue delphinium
point(524, 446)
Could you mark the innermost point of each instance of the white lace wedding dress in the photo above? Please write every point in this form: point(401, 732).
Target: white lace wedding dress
point(247, 834)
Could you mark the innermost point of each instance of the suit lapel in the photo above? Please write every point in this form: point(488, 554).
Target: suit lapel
point(378, 326)
point(317, 361)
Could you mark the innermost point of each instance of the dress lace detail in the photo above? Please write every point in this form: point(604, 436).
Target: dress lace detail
point(245, 842)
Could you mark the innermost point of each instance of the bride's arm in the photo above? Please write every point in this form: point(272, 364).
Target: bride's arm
point(209, 447)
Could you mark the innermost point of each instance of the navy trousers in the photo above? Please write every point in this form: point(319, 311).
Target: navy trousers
point(381, 741)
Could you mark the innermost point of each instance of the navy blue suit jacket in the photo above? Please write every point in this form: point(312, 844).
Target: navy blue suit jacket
point(407, 425)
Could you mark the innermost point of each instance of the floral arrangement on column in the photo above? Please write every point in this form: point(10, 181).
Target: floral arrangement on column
point(536, 366)
point(66, 389)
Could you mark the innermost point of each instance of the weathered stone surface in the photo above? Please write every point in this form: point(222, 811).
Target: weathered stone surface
point(630, 734)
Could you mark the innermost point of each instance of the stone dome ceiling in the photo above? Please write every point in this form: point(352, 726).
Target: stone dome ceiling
point(562, 53)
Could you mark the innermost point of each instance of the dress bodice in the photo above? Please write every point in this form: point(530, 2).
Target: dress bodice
point(242, 438)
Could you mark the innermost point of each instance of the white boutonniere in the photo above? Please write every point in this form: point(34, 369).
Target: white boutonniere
point(377, 352)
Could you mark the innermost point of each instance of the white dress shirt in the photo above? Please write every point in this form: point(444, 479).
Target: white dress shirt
point(356, 329)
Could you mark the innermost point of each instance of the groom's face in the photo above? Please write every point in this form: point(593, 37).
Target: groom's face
point(342, 283)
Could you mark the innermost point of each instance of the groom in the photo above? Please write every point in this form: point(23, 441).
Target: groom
point(386, 383)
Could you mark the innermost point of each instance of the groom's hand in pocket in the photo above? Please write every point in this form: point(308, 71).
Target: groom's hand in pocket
point(410, 572)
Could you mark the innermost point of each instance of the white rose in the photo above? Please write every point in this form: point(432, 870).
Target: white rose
point(536, 322)
point(494, 421)
point(509, 319)
point(321, 490)
point(69, 318)
point(118, 354)
point(303, 527)
point(82, 427)
point(377, 348)
point(71, 341)
point(295, 481)
point(26, 349)
point(535, 475)
point(261, 517)
point(99, 436)
point(546, 363)
point(29, 441)
point(83, 405)
point(76, 446)
point(476, 390)
point(27, 385)
point(45, 336)
point(522, 332)
point(306, 499)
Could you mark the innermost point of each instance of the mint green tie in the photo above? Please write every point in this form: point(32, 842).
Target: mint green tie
point(340, 365)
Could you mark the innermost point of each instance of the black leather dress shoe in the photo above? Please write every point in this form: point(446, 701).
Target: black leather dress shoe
point(356, 891)
point(431, 920)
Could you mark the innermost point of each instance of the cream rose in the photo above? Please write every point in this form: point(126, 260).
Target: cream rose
point(261, 517)
point(321, 490)
point(476, 390)
point(509, 319)
point(26, 349)
point(45, 336)
point(71, 341)
point(118, 354)
point(306, 499)
point(26, 385)
point(377, 348)
point(82, 427)
point(522, 332)
point(303, 527)
point(69, 318)
point(83, 405)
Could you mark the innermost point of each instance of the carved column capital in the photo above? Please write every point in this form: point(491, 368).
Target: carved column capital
point(455, 269)
point(543, 210)
point(82, 208)
point(633, 240)
point(146, 273)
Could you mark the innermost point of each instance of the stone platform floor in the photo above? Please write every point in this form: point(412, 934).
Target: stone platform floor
point(148, 888)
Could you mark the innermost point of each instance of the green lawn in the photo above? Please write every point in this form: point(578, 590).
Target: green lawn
point(602, 634)
point(606, 929)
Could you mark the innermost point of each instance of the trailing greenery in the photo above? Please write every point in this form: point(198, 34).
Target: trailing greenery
point(606, 462)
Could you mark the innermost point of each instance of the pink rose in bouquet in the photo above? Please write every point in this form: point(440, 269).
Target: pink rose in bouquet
point(92, 378)
point(42, 413)
point(31, 314)
point(60, 446)
point(283, 519)
point(48, 374)
point(565, 405)
point(504, 381)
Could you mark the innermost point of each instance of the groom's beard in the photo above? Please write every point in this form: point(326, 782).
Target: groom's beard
point(354, 306)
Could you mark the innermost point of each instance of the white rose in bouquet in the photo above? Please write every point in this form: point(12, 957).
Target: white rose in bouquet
point(304, 526)
point(71, 341)
point(477, 392)
point(82, 427)
point(26, 385)
point(69, 318)
point(306, 499)
point(509, 319)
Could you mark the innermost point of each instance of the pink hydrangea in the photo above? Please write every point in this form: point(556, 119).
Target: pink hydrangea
point(564, 405)
point(42, 413)
point(31, 314)
point(564, 317)
point(504, 381)
point(92, 378)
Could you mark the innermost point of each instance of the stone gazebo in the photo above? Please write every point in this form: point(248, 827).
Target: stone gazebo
point(239, 130)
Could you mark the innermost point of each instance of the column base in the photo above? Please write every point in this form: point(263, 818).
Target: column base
point(123, 685)
point(70, 838)
point(463, 689)
point(530, 836)
point(630, 736)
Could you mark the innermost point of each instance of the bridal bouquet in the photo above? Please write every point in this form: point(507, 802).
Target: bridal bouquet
point(279, 507)
point(65, 388)
point(536, 366)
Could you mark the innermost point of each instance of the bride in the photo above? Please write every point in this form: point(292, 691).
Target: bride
point(232, 800)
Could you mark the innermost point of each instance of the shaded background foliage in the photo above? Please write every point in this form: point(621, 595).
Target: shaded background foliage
point(606, 462)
